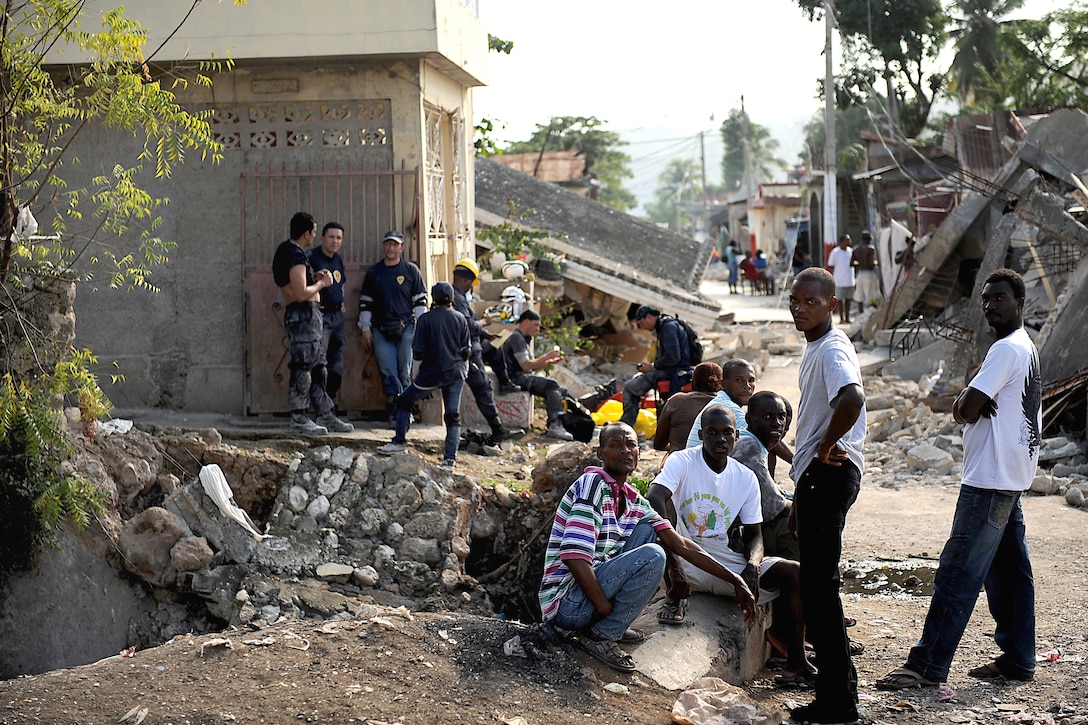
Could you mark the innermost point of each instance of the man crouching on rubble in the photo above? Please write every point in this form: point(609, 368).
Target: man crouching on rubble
point(606, 556)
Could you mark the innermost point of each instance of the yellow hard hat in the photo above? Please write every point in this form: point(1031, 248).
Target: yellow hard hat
point(470, 265)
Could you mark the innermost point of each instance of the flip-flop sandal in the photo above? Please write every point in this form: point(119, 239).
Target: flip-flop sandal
point(673, 612)
point(609, 652)
point(633, 636)
point(856, 648)
point(990, 671)
point(849, 621)
point(803, 680)
point(903, 679)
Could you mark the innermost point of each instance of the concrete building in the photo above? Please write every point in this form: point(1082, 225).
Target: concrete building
point(357, 111)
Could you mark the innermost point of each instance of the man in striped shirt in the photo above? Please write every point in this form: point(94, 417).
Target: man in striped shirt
point(606, 555)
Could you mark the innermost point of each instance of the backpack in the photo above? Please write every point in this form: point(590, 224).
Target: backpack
point(695, 348)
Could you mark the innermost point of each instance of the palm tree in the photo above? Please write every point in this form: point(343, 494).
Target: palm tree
point(976, 37)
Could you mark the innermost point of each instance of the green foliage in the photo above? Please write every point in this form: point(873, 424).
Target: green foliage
point(498, 45)
point(849, 123)
point(513, 238)
point(586, 135)
point(736, 129)
point(893, 40)
point(680, 178)
point(642, 485)
point(566, 337)
point(116, 88)
point(36, 492)
point(482, 140)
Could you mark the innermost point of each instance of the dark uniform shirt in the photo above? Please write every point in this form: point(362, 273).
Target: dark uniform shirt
point(332, 297)
point(517, 345)
point(441, 344)
point(390, 292)
point(476, 330)
point(289, 255)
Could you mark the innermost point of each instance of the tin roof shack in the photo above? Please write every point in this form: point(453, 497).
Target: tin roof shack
point(357, 111)
point(1030, 216)
point(612, 260)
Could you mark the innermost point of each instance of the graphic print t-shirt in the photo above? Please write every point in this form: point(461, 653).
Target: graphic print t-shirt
point(707, 502)
point(1002, 452)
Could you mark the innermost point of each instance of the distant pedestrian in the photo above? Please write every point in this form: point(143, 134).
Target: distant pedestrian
point(841, 262)
point(392, 299)
point(442, 346)
point(732, 258)
point(301, 288)
point(867, 287)
point(1001, 410)
point(827, 467)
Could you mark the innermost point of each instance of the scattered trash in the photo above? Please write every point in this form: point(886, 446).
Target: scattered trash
point(136, 715)
point(519, 720)
point(305, 643)
point(127, 652)
point(1052, 656)
point(117, 425)
point(617, 688)
point(329, 628)
point(712, 701)
point(160, 668)
point(513, 647)
point(265, 642)
point(215, 642)
point(944, 694)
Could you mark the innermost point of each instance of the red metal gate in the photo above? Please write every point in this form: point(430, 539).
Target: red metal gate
point(367, 202)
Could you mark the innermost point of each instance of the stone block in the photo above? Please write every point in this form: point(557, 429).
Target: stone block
point(928, 457)
point(1044, 484)
point(515, 409)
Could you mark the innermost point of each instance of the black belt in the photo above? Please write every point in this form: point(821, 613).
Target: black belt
point(337, 308)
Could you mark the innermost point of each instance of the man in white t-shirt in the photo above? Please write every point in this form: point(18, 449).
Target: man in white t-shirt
point(703, 493)
point(841, 262)
point(1001, 408)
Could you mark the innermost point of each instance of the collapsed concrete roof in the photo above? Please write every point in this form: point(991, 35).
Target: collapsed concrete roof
point(609, 250)
point(1029, 214)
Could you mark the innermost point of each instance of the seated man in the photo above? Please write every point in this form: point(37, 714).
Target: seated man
point(702, 493)
point(766, 420)
point(673, 361)
point(681, 410)
point(519, 363)
point(738, 384)
point(605, 556)
point(750, 273)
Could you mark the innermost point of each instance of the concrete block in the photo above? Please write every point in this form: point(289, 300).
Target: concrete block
point(515, 409)
point(921, 362)
point(928, 457)
point(713, 640)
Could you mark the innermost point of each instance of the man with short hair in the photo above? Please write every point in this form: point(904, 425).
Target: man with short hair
point(520, 363)
point(606, 554)
point(1001, 409)
point(681, 410)
point(703, 494)
point(442, 346)
point(465, 276)
point(738, 384)
point(766, 424)
point(327, 256)
point(841, 262)
point(867, 283)
point(392, 299)
point(672, 363)
point(301, 288)
point(827, 467)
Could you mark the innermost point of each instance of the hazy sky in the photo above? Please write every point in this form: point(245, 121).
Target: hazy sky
point(658, 71)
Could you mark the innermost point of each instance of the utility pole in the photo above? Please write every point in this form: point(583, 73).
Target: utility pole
point(749, 189)
point(831, 221)
point(702, 165)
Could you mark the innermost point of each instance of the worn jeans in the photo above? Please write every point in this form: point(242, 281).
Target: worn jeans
point(628, 581)
point(332, 344)
point(451, 406)
point(394, 360)
point(823, 495)
point(306, 383)
point(987, 546)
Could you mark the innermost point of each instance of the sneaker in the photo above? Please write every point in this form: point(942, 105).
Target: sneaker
point(334, 424)
point(304, 426)
point(392, 447)
point(502, 433)
point(507, 389)
point(447, 464)
point(558, 432)
point(815, 714)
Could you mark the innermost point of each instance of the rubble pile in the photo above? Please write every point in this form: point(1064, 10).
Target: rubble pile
point(910, 443)
point(342, 530)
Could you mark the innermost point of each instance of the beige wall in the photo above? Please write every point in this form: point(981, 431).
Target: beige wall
point(440, 30)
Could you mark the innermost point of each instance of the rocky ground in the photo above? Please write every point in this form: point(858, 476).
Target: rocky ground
point(374, 662)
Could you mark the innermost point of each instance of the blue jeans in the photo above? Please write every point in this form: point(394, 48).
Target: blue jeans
point(987, 546)
point(821, 500)
point(628, 580)
point(332, 342)
point(451, 406)
point(394, 360)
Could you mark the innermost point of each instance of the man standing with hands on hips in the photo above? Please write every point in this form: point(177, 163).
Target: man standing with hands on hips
point(301, 288)
point(827, 467)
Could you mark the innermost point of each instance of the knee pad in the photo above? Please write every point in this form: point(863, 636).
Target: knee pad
point(319, 375)
point(452, 419)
